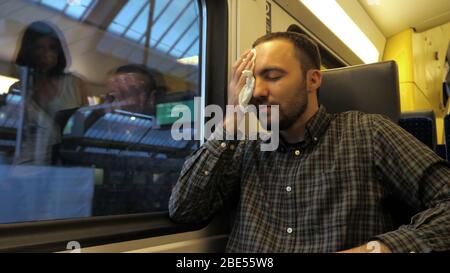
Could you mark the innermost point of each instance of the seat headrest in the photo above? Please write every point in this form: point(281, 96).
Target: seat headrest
point(371, 88)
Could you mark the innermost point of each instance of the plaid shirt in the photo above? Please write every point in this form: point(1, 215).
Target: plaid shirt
point(357, 177)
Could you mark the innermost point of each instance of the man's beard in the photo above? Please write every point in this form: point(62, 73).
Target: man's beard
point(287, 120)
point(289, 114)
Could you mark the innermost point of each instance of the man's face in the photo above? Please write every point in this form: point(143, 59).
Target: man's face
point(129, 91)
point(280, 81)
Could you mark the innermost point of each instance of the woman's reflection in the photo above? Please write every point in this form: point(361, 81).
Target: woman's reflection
point(50, 93)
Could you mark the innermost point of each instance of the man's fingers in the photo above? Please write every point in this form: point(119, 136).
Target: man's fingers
point(238, 62)
point(242, 81)
point(249, 63)
point(244, 54)
point(241, 60)
point(245, 64)
point(237, 79)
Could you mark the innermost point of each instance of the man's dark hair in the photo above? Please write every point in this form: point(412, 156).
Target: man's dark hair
point(307, 50)
point(295, 28)
point(32, 34)
point(140, 69)
point(155, 89)
point(156, 80)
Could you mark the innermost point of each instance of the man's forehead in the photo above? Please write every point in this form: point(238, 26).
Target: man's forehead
point(129, 76)
point(275, 53)
point(278, 47)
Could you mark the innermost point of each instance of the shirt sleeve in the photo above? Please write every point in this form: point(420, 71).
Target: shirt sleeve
point(419, 178)
point(208, 181)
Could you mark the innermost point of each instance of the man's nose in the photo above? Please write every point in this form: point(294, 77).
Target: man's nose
point(261, 89)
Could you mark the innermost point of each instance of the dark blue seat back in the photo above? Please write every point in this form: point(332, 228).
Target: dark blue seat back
point(447, 135)
point(371, 88)
point(422, 125)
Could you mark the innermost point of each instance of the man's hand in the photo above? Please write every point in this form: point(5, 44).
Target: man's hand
point(236, 84)
point(370, 247)
point(237, 79)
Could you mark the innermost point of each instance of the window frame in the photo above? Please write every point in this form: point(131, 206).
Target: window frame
point(53, 236)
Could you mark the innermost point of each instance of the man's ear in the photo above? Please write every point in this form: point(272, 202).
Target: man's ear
point(313, 79)
point(151, 99)
point(148, 101)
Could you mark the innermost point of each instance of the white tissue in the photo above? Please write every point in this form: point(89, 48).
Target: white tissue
point(245, 95)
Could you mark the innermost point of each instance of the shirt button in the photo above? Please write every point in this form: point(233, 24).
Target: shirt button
point(288, 189)
point(206, 173)
point(315, 139)
point(289, 230)
point(223, 145)
point(297, 152)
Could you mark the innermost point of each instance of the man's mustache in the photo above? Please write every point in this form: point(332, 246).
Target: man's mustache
point(262, 102)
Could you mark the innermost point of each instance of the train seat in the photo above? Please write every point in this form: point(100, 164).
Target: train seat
point(422, 125)
point(371, 88)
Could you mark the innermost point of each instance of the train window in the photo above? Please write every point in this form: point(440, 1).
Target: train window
point(86, 93)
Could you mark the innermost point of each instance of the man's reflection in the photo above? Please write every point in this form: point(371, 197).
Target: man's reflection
point(133, 88)
point(131, 188)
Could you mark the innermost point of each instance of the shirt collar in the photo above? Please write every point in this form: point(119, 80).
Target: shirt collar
point(315, 129)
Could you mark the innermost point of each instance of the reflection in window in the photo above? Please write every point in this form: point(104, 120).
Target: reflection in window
point(115, 154)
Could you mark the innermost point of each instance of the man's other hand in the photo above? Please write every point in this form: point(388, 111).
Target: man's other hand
point(370, 247)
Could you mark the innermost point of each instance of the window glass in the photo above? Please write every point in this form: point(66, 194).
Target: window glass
point(87, 89)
